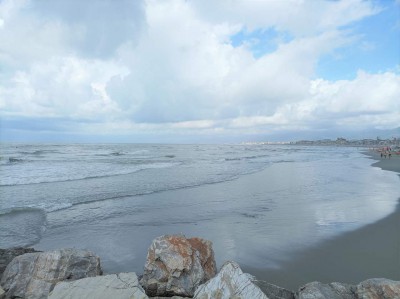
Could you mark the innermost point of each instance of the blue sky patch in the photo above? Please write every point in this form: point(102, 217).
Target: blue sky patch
point(260, 41)
point(377, 50)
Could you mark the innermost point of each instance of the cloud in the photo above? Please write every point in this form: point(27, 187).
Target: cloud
point(367, 93)
point(170, 66)
point(33, 31)
point(368, 101)
point(100, 27)
point(198, 74)
point(61, 87)
point(298, 17)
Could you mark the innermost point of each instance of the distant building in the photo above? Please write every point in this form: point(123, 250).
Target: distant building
point(341, 140)
point(344, 142)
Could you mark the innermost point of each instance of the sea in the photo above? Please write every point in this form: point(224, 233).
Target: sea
point(257, 203)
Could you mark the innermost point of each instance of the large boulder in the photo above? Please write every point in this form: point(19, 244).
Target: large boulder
point(176, 265)
point(121, 286)
point(34, 275)
point(273, 291)
point(173, 297)
point(378, 288)
point(318, 290)
point(230, 282)
point(7, 255)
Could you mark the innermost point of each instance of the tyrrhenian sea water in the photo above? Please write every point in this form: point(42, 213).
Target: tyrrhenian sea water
point(254, 202)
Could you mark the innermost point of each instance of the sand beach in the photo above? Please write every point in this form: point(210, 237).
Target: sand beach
point(371, 251)
point(392, 164)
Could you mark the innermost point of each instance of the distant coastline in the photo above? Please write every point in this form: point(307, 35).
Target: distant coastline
point(353, 142)
point(340, 141)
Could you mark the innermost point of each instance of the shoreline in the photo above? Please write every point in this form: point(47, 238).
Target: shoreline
point(370, 251)
point(392, 164)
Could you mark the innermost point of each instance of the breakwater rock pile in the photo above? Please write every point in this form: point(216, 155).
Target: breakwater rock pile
point(7, 255)
point(34, 275)
point(176, 267)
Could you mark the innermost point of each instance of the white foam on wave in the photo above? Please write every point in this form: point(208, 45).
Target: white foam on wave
point(76, 174)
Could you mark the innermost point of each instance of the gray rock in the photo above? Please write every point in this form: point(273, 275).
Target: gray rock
point(2, 293)
point(318, 290)
point(176, 266)
point(272, 291)
point(230, 283)
point(121, 286)
point(34, 275)
point(378, 288)
point(7, 255)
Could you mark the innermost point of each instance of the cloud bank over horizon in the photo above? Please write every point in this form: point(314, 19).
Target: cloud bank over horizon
point(176, 70)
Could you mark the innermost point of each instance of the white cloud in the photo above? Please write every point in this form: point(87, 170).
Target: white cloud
point(169, 66)
point(65, 86)
point(367, 93)
point(296, 16)
point(368, 101)
point(197, 73)
point(200, 124)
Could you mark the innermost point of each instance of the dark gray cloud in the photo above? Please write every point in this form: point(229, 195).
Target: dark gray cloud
point(100, 26)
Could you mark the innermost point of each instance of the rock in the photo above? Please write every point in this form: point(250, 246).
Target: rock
point(318, 290)
point(378, 288)
point(272, 291)
point(230, 282)
point(2, 293)
point(121, 286)
point(34, 275)
point(7, 255)
point(176, 265)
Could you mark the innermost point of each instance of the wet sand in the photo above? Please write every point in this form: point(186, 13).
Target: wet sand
point(370, 252)
point(392, 164)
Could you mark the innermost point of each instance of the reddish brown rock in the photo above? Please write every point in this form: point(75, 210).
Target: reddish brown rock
point(176, 265)
point(206, 255)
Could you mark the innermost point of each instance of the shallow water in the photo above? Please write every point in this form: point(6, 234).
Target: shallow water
point(257, 203)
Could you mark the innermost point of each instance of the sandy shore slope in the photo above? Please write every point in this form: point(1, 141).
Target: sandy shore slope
point(392, 164)
point(372, 251)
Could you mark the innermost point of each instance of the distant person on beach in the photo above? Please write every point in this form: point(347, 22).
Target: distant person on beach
point(381, 155)
point(390, 154)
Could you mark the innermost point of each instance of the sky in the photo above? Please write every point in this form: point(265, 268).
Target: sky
point(197, 70)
